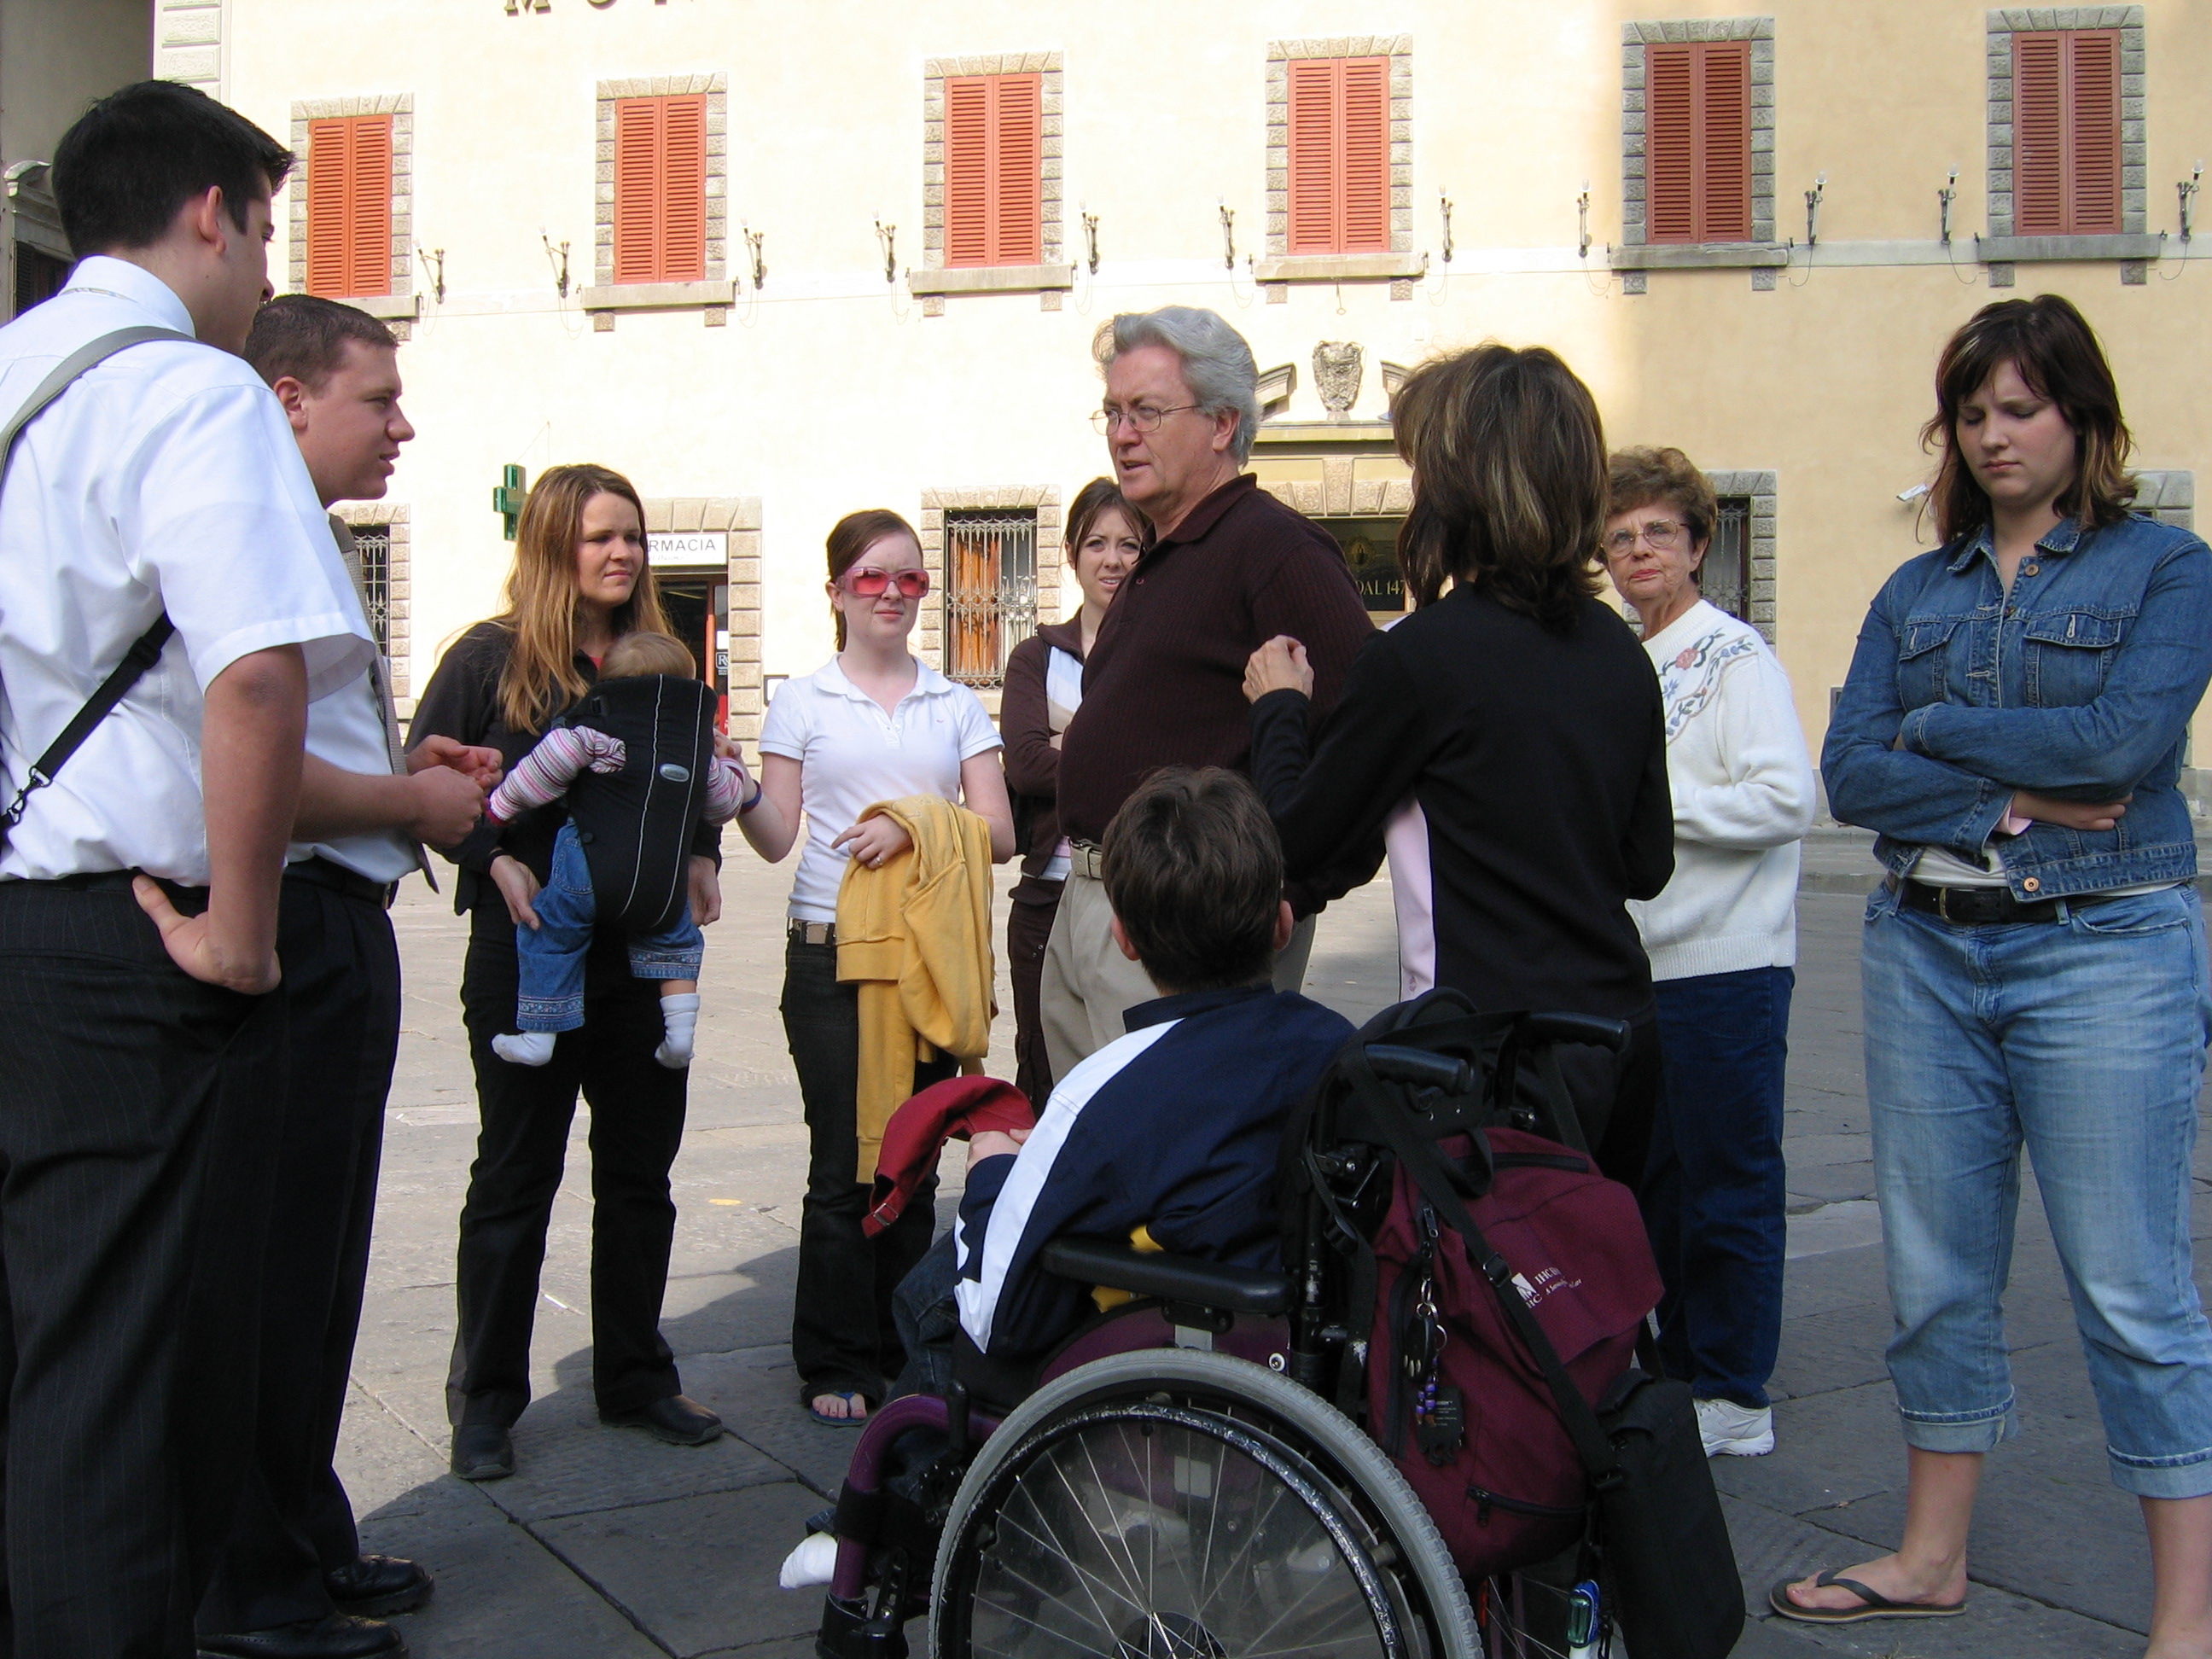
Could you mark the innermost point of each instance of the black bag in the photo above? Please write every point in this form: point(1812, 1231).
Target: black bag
point(636, 825)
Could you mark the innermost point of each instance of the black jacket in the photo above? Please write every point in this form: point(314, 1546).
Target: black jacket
point(1539, 761)
point(462, 702)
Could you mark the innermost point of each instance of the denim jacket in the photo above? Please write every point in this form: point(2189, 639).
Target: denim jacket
point(2079, 684)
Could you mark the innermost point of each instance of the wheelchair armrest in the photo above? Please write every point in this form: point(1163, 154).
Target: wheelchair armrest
point(1185, 1279)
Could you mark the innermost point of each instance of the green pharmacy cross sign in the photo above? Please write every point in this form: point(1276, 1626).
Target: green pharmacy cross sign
point(507, 500)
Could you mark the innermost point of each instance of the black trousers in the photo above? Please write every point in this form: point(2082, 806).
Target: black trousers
point(1617, 1097)
point(1029, 930)
point(341, 993)
point(844, 1337)
point(139, 1112)
point(637, 1125)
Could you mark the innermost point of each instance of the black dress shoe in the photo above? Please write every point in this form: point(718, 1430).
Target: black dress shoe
point(677, 1419)
point(482, 1452)
point(370, 1586)
point(334, 1636)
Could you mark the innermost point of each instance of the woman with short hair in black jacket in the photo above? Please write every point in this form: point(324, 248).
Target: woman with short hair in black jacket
point(1505, 741)
point(579, 581)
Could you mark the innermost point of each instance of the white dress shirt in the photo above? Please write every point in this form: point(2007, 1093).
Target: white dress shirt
point(852, 754)
point(348, 729)
point(166, 476)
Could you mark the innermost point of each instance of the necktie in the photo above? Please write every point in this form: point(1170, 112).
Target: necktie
point(379, 680)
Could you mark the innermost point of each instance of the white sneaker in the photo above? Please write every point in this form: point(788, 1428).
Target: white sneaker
point(1733, 1430)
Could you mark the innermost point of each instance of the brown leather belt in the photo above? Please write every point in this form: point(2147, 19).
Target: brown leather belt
point(1986, 907)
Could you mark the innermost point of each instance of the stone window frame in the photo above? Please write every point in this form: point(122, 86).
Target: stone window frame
point(1637, 255)
point(2134, 244)
point(2169, 494)
point(740, 518)
point(1044, 499)
point(402, 305)
point(188, 43)
point(1400, 267)
point(399, 634)
point(716, 294)
point(1052, 278)
point(1761, 487)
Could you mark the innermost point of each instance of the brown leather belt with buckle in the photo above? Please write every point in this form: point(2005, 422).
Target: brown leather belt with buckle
point(810, 933)
point(1985, 906)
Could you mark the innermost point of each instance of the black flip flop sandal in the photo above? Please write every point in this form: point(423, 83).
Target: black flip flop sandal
point(1876, 1606)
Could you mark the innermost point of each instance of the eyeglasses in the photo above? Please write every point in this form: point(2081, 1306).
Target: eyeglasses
point(867, 582)
point(1141, 417)
point(1660, 536)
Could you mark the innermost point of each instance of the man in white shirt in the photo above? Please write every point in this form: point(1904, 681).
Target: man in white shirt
point(294, 1583)
point(139, 1050)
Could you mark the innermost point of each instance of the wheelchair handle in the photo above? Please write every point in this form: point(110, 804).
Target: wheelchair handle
point(1421, 1067)
point(1184, 1279)
point(1608, 1034)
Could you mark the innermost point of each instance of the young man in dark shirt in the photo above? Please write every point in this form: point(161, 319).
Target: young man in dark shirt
point(1228, 568)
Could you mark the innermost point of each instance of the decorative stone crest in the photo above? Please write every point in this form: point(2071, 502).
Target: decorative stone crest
point(1336, 375)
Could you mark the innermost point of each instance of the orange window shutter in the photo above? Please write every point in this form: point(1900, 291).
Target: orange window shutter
point(1670, 192)
point(349, 206)
point(2039, 134)
point(330, 151)
point(2092, 132)
point(1315, 85)
point(1723, 148)
point(1018, 170)
point(683, 189)
point(1365, 168)
point(637, 190)
point(368, 238)
point(967, 170)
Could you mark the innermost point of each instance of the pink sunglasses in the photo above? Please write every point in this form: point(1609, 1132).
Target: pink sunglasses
point(867, 582)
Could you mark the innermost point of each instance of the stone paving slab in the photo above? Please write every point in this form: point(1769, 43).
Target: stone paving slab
point(607, 1543)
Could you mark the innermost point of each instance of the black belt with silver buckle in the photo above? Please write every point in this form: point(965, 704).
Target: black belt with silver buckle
point(810, 933)
point(1985, 906)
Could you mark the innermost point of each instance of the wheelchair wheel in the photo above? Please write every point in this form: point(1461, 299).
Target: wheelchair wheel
point(1181, 1504)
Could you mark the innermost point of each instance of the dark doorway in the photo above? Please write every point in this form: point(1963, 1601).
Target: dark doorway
point(698, 608)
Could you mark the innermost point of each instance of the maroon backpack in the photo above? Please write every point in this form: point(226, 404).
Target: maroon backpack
point(1454, 1398)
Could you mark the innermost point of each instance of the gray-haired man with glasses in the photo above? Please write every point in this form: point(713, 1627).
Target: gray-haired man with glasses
point(1227, 568)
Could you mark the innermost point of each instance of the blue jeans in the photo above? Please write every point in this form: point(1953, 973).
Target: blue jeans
point(1714, 1191)
point(2083, 1040)
point(551, 954)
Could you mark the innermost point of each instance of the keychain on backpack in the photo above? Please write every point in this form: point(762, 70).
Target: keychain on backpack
point(1439, 1409)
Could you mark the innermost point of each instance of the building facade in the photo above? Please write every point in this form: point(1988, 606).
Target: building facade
point(777, 263)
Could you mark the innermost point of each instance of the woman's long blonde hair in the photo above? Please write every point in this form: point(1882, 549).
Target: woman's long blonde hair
point(540, 678)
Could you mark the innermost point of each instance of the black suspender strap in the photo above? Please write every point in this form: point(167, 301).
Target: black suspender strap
point(144, 650)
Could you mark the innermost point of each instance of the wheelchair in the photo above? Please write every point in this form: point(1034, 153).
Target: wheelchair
point(1184, 1478)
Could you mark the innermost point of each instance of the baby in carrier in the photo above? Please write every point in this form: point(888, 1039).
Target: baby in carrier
point(639, 765)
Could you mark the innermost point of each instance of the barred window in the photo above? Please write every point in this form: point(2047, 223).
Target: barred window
point(990, 592)
point(1726, 575)
point(373, 543)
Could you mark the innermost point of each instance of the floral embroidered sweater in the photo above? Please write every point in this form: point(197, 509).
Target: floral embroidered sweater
point(1742, 786)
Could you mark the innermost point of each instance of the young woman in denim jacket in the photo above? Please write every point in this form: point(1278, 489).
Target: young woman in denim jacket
point(2034, 961)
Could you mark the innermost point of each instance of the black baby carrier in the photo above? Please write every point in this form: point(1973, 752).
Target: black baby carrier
point(636, 825)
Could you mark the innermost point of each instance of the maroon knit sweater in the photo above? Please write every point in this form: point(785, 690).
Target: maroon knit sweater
point(1164, 682)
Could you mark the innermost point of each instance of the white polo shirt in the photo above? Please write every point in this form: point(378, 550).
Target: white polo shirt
point(166, 476)
point(852, 754)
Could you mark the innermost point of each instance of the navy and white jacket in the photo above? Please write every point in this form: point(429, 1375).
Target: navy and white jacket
point(1174, 1127)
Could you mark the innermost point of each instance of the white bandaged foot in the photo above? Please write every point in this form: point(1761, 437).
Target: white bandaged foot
point(524, 1047)
point(814, 1562)
point(681, 1015)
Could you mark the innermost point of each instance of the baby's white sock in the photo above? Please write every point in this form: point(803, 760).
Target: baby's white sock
point(682, 1014)
point(524, 1047)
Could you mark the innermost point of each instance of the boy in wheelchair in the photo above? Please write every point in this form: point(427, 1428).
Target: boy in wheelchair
point(1170, 1133)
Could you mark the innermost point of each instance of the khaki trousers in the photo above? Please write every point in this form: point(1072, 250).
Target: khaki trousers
point(1088, 984)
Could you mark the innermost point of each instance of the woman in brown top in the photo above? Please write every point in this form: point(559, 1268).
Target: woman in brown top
point(1044, 684)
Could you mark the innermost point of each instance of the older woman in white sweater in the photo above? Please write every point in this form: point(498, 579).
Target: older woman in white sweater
point(1723, 941)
